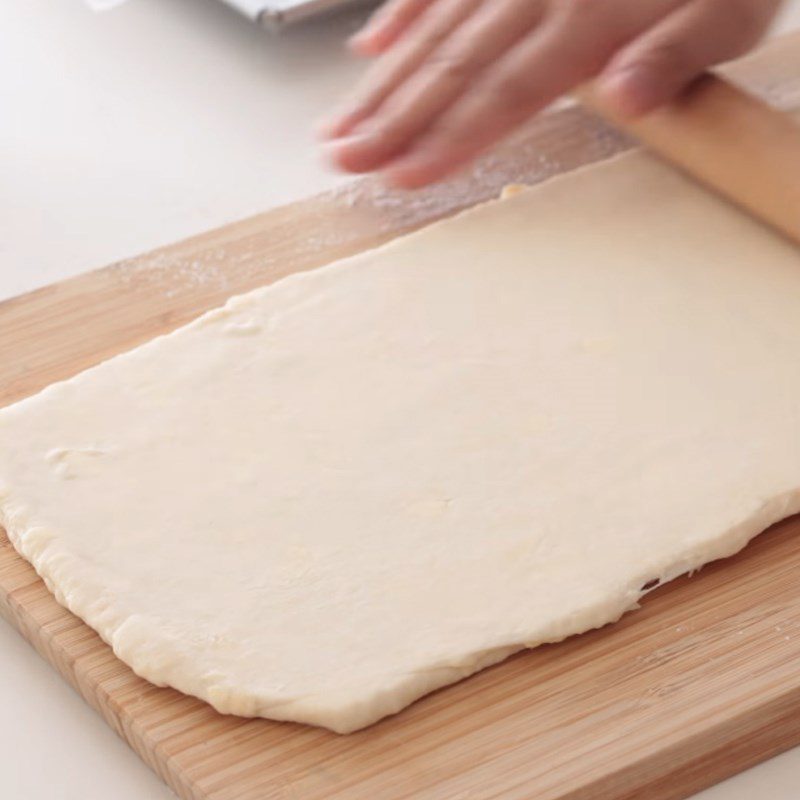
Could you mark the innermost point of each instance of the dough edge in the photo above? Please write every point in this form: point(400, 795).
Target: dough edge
point(68, 578)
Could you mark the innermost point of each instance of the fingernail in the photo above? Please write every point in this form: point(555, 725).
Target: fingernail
point(354, 140)
point(339, 152)
point(410, 172)
point(334, 126)
point(628, 91)
point(356, 40)
point(331, 155)
point(324, 128)
point(364, 44)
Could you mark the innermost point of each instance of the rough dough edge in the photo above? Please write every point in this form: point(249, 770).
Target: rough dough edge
point(59, 569)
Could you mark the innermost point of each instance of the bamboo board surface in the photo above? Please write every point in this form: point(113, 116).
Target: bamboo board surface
point(700, 683)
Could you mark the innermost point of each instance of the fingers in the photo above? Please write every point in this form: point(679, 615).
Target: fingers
point(658, 65)
point(437, 83)
point(386, 26)
point(503, 100)
point(564, 51)
point(428, 31)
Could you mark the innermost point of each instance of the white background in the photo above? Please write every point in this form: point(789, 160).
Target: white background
point(120, 132)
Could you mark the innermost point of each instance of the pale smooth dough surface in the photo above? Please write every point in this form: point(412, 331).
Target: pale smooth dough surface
point(340, 492)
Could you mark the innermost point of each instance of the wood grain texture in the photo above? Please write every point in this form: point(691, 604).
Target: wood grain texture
point(703, 681)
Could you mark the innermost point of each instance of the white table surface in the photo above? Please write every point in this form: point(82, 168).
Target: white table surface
point(120, 132)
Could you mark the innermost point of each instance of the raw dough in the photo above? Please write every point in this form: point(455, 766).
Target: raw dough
point(338, 493)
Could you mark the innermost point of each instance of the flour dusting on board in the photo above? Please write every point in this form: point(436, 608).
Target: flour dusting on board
point(221, 271)
point(208, 269)
point(523, 162)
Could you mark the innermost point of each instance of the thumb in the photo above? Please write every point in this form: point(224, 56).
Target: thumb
point(657, 66)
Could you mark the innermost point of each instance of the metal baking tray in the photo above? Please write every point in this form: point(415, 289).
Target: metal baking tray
point(276, 14)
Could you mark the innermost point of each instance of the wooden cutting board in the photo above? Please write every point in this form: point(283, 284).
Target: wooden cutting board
point(700, 683)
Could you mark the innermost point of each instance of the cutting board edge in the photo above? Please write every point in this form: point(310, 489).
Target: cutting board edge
point(156, 753)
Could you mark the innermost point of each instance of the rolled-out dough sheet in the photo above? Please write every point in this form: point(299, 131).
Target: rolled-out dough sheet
point(340, 492)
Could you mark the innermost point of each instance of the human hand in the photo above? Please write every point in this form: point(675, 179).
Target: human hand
point(452, 77)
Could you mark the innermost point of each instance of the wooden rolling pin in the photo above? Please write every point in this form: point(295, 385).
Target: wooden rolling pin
point(732, 142)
